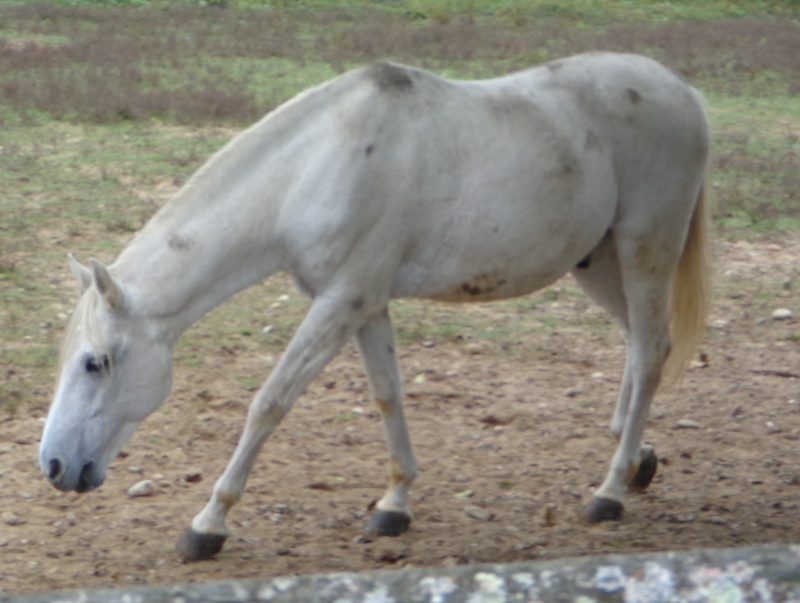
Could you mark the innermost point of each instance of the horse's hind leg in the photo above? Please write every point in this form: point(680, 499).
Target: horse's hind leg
point(638, 302)
point(376, 343)
point(646, 265)
point(600, 275)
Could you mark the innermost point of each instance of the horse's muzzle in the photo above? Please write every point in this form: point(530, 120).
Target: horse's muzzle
point(58, 474)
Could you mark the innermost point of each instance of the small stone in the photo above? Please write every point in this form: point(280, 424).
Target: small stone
point(143, 488)
point(572, 392)
point(473, 348)
point(10, 519)
point(687, 424)
point(549, 514)
point(478, 513)
point(389, 556)
point(717, 520)
point(700, 362)
point(772, 427)
point(782, 314)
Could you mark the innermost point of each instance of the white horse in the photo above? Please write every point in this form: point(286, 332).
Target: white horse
point(391, 182)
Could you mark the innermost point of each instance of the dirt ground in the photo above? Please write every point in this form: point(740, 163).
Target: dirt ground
point(510, 448)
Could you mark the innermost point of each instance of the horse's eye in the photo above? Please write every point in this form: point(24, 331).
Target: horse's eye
point(97, 364)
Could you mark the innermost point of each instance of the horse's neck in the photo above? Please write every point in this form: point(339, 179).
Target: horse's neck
point(213, 239)
point(218, 235)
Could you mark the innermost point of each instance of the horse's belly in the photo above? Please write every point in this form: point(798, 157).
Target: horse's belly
point(493, 284)
point(471, 277)
point(510, 250)
point(509, 234)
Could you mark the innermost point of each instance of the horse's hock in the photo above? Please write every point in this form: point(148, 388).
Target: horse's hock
point(768, 573)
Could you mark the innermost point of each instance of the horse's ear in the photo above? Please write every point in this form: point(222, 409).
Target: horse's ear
point(81, 273)
point(108, 288)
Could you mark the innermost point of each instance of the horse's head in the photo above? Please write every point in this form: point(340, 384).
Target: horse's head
point(114, 371)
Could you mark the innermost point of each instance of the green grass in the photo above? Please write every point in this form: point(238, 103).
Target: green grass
point(756, 169)
point(181, 62)
point(79, 188)
point(599, 11)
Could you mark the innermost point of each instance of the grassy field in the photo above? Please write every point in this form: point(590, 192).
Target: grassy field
point(106, 107)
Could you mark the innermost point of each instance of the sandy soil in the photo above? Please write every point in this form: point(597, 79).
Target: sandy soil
point(510, 447)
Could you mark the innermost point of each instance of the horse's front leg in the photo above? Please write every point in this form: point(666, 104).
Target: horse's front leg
point(376, 343)
point(325, 329)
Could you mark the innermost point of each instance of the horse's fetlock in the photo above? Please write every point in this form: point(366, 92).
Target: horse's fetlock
point(400, 474)
point(226, 498)
point(383, 406)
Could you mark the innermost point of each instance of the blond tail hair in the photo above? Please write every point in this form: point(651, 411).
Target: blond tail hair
point(690, 294)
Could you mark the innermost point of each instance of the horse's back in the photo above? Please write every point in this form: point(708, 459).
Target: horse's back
point(492, 188)
point(558, 123)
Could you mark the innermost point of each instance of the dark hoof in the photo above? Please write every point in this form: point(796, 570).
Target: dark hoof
point(646, 471)
point(194, 546)
point(387, 523)
point(603, 509)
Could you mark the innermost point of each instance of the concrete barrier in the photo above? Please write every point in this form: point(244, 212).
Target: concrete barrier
point(765, 574)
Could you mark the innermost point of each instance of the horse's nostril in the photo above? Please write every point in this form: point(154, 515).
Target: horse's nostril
point(85, 481)
point(54, 469)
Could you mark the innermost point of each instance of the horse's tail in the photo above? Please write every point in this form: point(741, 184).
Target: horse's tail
point(690, 293)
